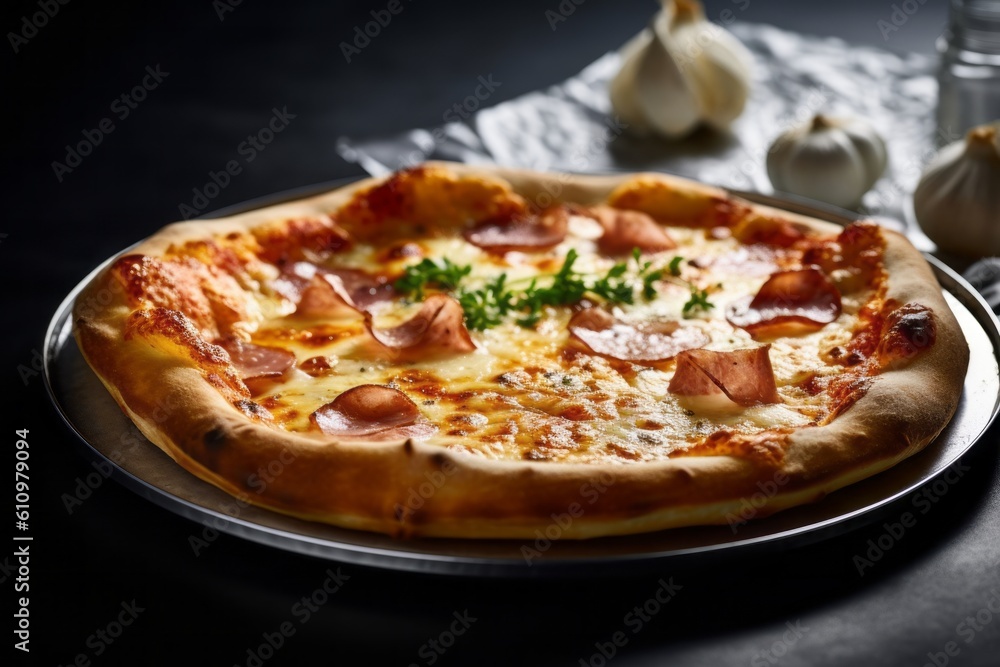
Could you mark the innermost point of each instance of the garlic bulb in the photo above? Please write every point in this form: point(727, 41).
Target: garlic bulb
point(834, 160)
point(957, 201)
point(681, 71)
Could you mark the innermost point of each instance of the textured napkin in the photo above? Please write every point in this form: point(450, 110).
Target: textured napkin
point(570, 126)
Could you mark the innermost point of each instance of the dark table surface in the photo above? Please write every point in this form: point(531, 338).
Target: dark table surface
point(221, 69)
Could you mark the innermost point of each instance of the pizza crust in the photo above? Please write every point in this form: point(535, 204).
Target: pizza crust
point(416, 489)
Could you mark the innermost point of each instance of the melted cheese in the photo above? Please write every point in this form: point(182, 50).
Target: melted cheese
point(519, 396)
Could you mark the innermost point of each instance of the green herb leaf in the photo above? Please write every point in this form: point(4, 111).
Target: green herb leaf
point(428, 273)
point(487, 306)
point(648, 290)
point(697, 303)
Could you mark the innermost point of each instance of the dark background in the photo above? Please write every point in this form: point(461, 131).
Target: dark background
point(225, 77)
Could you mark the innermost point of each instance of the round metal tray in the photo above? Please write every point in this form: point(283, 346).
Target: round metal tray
point(108, 436)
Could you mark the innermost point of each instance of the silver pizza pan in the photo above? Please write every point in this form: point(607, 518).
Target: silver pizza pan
point(108, 437)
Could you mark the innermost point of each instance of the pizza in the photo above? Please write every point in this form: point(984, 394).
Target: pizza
point(479, 352)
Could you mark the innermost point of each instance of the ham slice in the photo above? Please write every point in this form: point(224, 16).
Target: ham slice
point(438, 329)
point(526, 234)
point(644, 343)
point(753, 260)
point(258, 365)
point(325, 296)
point(625, 230)
point(372, 411)
point(743, 376)
point(363, 289)
point(320, 292)
point(789, 302)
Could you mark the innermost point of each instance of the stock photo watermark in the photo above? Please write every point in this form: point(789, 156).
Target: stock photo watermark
point(751, 507)
point(888, 192)
point(780, 647)
point(364, 34)
point(462, 110)
point(131, 438)
point(967, 629)
point(420, 494)
point(899, 16)
point(223, 7)
point(590, 492)
point(32, 369)
point(22, 617)
point(248, 150)
point(121, 108)
point(302, 611)
point(432, 650)
point(894, 531)
point(633, 621)
point(102, 638)
point(563, 11)
point(32, 23)
point(258, 481)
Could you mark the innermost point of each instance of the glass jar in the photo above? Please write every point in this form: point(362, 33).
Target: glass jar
point(969, 74)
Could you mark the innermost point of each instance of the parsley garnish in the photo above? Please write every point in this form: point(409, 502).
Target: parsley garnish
point(649, 277)
point(488, 305)
point(698, 302)
point(447, 276)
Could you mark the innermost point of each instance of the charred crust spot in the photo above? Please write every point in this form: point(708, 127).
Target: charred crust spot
point(399, 512)
point(214, 439)
point(408, 448)
point(910, 330)
point(439, 460)
point(253, 410)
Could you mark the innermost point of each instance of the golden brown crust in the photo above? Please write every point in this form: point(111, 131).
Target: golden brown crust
point(198, 415)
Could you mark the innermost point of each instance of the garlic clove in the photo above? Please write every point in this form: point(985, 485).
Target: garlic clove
point(957, 201)
point(663, 93)
point(870, 146)
point(720, 76)
point(623, 101)
point(834, 160)
point(680, 72)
